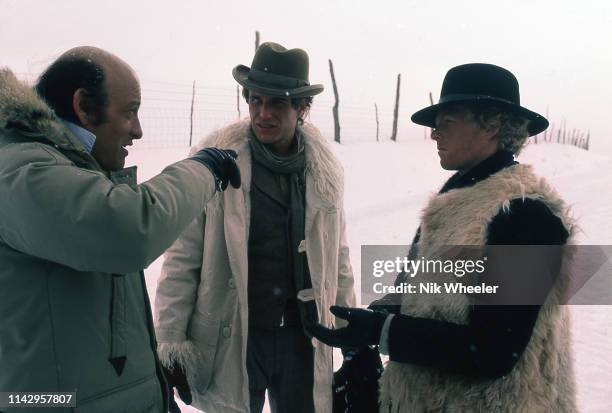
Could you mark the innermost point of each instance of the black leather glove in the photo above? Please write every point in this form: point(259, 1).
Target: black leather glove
point(222, 164)
point(363, 329)
point(389, 304)
point(348, 352)
point(355, 384)
point(176, 378)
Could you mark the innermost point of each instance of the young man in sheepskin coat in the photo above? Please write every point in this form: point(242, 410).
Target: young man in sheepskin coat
point(451, 352)
point(240, 287)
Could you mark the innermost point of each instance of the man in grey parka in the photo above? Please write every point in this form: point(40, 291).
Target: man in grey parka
point(76, 231)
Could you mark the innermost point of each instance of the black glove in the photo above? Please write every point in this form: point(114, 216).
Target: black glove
point(389, 304)
point(222, 164)
point(355, 384)
point(175, 377)
point(363, 329)
point(348, 353)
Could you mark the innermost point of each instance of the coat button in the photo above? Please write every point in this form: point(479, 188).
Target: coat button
point(326, 284)
point(226, 331)
point(231, 283)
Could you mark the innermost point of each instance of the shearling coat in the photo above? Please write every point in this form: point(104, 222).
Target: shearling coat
point(74, 311)
point(201, 305)
point(542, 379)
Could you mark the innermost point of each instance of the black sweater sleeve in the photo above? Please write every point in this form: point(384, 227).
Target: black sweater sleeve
point(496, 336)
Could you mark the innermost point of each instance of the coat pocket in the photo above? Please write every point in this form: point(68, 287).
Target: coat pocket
point(143, 396)
point(118, 323)
point(204, 332)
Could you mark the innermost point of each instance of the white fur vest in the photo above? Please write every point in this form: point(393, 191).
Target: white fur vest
point(542, 380)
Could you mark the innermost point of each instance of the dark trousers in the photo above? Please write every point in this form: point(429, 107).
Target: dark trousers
point(282, 362)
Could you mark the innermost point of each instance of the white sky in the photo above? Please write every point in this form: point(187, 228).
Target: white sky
point(559, 50)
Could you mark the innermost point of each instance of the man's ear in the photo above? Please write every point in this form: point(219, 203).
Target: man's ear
point(302, 112)
point(82, 105)
point(492, 131)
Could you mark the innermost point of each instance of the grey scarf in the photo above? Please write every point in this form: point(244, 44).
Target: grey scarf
point(292, 165)
point(289, 164)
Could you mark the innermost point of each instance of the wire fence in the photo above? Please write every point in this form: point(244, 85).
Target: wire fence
point(166, 118)
point(166, 112)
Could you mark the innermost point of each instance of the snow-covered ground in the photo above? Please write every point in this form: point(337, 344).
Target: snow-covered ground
point(388, 183)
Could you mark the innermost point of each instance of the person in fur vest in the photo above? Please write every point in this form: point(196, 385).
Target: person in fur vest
point(242, 283)
point(450, 352)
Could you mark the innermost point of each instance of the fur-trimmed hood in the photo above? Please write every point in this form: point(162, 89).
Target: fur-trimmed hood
point(22, 109)
point(321, 163)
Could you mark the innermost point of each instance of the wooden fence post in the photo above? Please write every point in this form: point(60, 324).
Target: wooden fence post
point(396, 110)
point(586, 146)
point(425, 129)
point(191, 114)
point(377, 123)
point(238, 100)
point(336, 103)
point(547, 129)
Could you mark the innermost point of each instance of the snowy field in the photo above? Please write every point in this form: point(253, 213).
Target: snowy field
point(388, 183)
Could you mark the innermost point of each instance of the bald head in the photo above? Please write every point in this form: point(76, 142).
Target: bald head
point(108, 62)
point(90, 52)
point(84, 67)
point(99, 92)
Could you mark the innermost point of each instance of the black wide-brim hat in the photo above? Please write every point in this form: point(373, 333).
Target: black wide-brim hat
point(484, 84)
point(276, 71)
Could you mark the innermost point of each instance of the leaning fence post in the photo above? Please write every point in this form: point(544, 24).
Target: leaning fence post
point(191, 114)
point(336, 103)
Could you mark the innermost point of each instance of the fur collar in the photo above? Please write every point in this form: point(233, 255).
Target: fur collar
point(451, 213)
point(21, 108)
point(321, 164)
